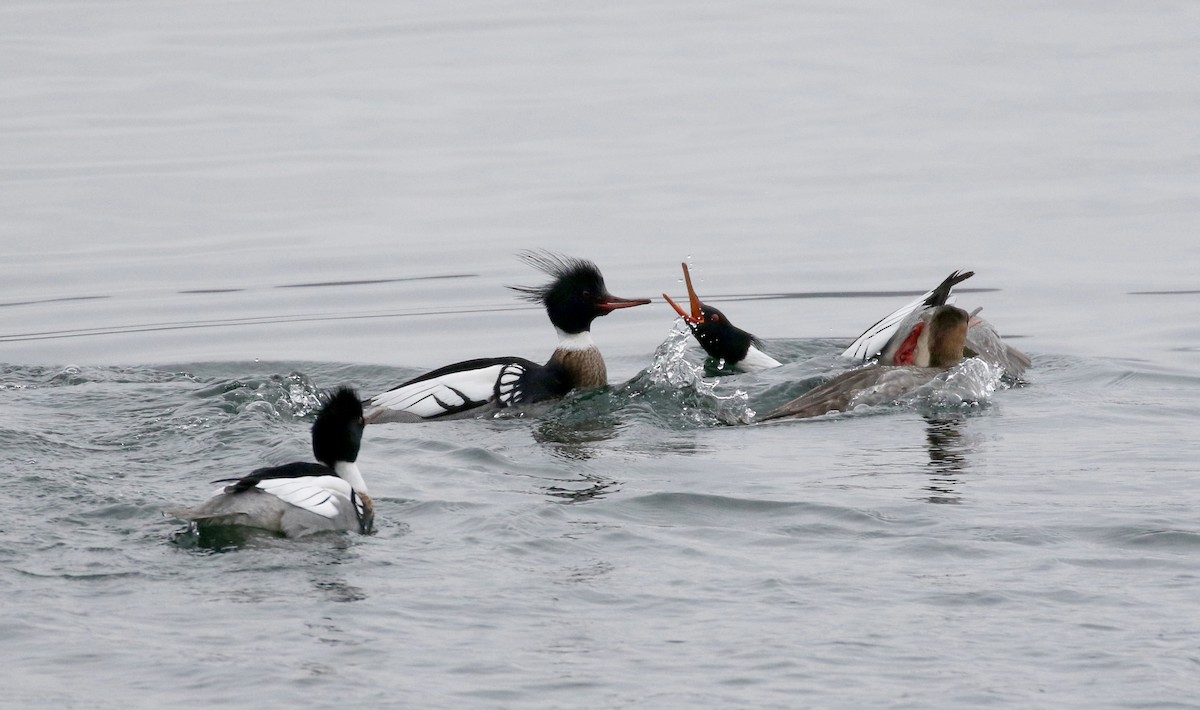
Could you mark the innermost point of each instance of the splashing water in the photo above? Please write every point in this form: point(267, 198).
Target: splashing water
point(669, 366)
point(698, 401)
point(970, 383)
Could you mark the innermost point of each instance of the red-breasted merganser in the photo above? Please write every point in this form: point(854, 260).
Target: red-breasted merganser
point(942, 336)
point(575, 298)
point(730, 346)
point(301, 498)
point(894, 338)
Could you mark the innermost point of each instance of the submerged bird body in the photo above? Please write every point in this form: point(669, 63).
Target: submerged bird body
point(985, 343)
point(301, 498)
point(730, 346)
point(575, 298)
point(942, 334)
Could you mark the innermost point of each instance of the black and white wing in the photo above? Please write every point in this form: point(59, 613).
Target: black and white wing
point(294, 499)
point(876, 338)
point(311, 486)
point(453, 389)
point(326, 496)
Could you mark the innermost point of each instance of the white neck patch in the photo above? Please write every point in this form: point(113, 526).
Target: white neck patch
point(756, 360)
point(575, 341)
point(349, 473)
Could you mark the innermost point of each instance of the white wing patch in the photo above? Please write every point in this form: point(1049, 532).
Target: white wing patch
point(429, 398)
point(322, 495)
point(875, 339)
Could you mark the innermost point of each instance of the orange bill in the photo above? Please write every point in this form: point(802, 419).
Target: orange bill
point(697, 316)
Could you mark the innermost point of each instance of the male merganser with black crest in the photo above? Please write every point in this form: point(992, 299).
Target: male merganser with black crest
point(942, 336)
point(730, 346)
point(575, 298)
point(894, 338)
point(301, 498)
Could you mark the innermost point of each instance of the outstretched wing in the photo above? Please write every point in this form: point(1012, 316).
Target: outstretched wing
point(875, 339)
point(454, 389)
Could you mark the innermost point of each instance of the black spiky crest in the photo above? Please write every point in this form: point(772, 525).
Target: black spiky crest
point(337, 432)
point(572, 299)
point(562, 268)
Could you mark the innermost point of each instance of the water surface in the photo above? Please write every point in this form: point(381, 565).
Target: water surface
point(212, 213)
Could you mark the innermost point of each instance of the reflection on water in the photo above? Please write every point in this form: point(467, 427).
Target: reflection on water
point(576, 439)
point(948, 451)
point(590, 487)
point(339, 590)
point(573, 439)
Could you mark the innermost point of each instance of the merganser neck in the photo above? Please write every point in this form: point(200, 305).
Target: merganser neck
point(575, 341)
point(580, 359)
point(348, 472)
point(756, 360)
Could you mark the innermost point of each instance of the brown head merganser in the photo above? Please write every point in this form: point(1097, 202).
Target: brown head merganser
point(729, 345)
point(301, 498)
point(894, 338)
point(943, 333)
point(575, 298)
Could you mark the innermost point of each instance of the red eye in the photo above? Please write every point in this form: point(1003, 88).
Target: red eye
point(714, 318)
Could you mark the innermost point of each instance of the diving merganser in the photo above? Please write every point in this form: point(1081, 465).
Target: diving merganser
point(301, 498)
point(894, 338)
point(942, 336)
point(575, 298)
point(729, 345)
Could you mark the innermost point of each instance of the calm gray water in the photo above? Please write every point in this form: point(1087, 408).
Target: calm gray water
point(212, 212)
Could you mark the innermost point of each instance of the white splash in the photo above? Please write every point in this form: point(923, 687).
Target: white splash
point(670, 369)
point(971, 382)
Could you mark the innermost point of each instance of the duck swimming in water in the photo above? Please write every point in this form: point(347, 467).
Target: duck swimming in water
point(576, 297)
point(939, 346)
point(301, 498)
point(730, 346)
point(894, 338)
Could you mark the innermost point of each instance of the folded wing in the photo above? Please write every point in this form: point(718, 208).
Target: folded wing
point(454, 389)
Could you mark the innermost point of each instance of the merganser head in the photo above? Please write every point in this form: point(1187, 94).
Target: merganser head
point(337, 432)
point(576, 296)
point(947, 333)
point(719, 338)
